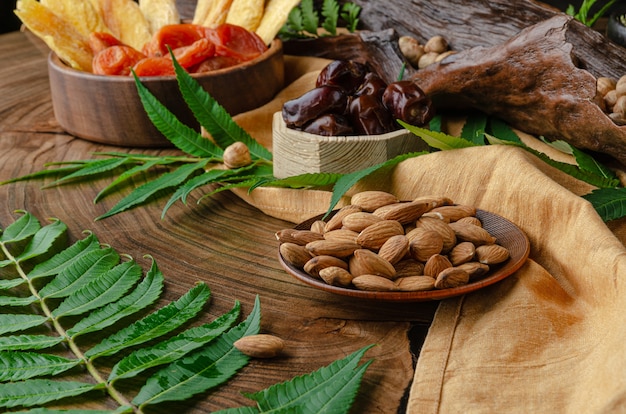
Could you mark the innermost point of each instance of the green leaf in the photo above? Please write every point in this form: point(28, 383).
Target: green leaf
point(154, 325)
point(65, 258)
point(15, 323)
point(179, 134)
point(101, 291)
point(80, 273)
point(126, 175)
point(213, 117)
point(121, 410)
point(503, 131)
point(310, 19)
point(43, 240)
point(474, 129)
point(145, 191)
point(347, 181)
point(306, 180)
point(28, 342)
point(91, 168)
point(330, 12)
point(146, 293)
point(45, 173)
point(21, 229)
point(350, 13)
point(41, 391)
point(17, 301)
point(436, 139)
point(610, 203)
point(174, 348)
point(18, 366)
point(11, 283)
point(203, 369)
point(330, 389)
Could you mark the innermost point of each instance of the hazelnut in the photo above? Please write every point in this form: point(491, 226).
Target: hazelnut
point(237, 155)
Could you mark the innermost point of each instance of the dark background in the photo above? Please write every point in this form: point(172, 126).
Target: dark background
point(9, 22)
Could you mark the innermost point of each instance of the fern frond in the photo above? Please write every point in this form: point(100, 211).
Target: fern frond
point(154, 325)
point(65, 258)
point(15, 323)
point(29, 393)
point(203, 369)
point(28, 342)
point(21, 229)
point(17, 301)
point(18, 366)
point(43, 240)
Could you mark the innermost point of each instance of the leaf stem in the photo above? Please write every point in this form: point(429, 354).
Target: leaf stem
point(113, 393)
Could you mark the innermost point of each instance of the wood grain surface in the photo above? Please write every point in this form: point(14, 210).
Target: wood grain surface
point(222, 241)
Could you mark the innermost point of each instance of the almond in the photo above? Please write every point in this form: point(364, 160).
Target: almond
point(436, 264)
point(359, 220)
point(447, 234)
point(435, 201)
point(409, 267)
point(374, 236)
point(342, 235)
point(336, 276)
point(295, 254)
point(456, 212)
point(424, 244)
point(318, 226)
point(476, 270)
point(365, 262)
point(451, 277)
point(491, 254)
point(405, 213)
point(394, 249)
point(331, 248)
point(335, 221)
point(296, 236)
point(371, 200)
point(415, 283)
point(461, 253)
point(260, 346)
point(472, 233)
point(471, 220)
point(373, 283)
point(317, 263)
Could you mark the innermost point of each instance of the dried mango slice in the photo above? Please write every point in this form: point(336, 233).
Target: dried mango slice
point(275, 17)
point(159, 13)
point(126, 22)
point(60, 36)
point(246, 13)
point(81, 14)
point(211, 13)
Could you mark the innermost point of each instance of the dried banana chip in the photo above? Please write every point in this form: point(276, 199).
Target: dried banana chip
point(60, 36)
point(126, 22)
point(81, 14)
point(275, 17)
point(211, 13)
point(246, 13)
point(159, 13)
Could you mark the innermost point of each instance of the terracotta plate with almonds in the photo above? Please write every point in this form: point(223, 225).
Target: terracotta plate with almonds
point(380, 248)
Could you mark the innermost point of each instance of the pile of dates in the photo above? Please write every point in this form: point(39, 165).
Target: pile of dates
point(350, 99)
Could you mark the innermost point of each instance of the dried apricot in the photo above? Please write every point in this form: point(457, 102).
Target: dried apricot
point(98, 41)
point(198, 51)
point(116, 60)
point(154, 66)
point(174, 36)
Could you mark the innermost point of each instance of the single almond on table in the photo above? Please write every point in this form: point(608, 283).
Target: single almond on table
point(260, 346)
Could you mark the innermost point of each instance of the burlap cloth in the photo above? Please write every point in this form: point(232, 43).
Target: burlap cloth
point(551, 338)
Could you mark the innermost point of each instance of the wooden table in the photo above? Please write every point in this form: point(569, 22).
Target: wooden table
point(223, 241)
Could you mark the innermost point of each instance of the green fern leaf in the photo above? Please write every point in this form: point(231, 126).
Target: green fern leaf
point(41, 391)
point(43, 240)
point(165, 182)
point(46, 173)
point(107, 288)
point(313, 393)
point(610, 203)
point(91, 168)
point(346, 182)
point(474, 129)
point(7, 284)
point(174, 348)
point(65, 258)
point(15, 323)
point(146, 293)
point(154, 325)
point(306, 180)
point(21, 229)
point(28, 342)
point(80, 273)
point(18, 366)
point(126, 175)
point(203, 369)
point(121, 410)
point(330, 12)
point(436, 139)
point(310, 19)
point(213, 117)
point(183, 137)
point(17, 301)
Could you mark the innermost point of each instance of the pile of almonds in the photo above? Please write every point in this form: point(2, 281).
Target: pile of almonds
point(379, 243)
point(614, 97)
point(419, 56)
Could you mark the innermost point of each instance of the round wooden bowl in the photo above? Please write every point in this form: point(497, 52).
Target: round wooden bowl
point(297, 152)
point(107, 109)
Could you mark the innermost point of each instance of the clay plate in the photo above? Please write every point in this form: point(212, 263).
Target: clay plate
point(107, 109)
point(507, 234)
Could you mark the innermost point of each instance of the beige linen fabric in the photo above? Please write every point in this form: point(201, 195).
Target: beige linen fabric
point(549, 339)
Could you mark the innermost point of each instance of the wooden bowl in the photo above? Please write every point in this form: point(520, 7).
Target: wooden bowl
point(107, 109)
point(506, 233)
point(296, 152)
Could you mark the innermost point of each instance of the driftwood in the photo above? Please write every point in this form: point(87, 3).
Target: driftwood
point(531, 81)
